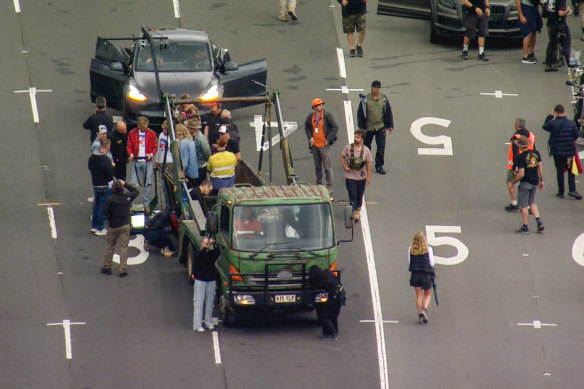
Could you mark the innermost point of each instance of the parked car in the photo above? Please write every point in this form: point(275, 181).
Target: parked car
point(187, 63)
point(447, 17)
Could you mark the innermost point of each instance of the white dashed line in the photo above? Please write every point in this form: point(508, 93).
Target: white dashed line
point(176, 6)
point(17, 6)
point(52, 223)
point(341, 58)
point(216, 347)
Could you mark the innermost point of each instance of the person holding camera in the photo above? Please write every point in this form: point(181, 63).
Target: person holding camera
point(204, 274)
point(356, 161)
point(558, 32)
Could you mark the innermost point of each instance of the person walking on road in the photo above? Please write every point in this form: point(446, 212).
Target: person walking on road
point(477, 13)
point(375, 117)
point(512, 156)
point(287, 7)
point(562, 146)
point(102, 175)
point(325, 279)
point(530, 175)
point(117, 210)
point(421, 267)
point(353, 14)
point(204, 274)
point(530, 24)
point(99, 117)
point(141, 150)
point(356, 161)
point(321, 131)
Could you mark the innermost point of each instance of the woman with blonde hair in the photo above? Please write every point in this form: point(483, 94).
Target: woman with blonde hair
point(188, 153)
point(421, 260)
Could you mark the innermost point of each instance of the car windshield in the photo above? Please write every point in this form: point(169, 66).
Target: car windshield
point(174, 57)
point(278, 228)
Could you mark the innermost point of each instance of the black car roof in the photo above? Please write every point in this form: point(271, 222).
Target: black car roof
point(179, 34)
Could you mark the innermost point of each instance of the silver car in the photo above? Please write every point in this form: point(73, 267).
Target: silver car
point(447, 17)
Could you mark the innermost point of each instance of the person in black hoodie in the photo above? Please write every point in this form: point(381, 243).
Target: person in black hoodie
point(421, 260)
point(98, 117)
point(117, 211)
point(102, 175)
point(325, 279)
point(204, 273)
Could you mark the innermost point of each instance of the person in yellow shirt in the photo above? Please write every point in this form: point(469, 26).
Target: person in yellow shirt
point(221, 167)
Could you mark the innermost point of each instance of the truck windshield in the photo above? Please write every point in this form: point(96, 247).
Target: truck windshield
point(282, 227)
point(174, 57)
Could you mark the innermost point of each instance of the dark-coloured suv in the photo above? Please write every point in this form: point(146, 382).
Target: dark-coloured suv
point(447, 17)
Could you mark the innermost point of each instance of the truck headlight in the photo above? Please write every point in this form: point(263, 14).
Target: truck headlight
point(135, 94)
point(244, 299)
point(212, 93)
point(321, 298)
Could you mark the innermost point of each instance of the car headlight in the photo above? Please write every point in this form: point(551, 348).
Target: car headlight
point(447, 3)
point(244, 299)
point(321, 298)
point(211, 94)
point(135, 94)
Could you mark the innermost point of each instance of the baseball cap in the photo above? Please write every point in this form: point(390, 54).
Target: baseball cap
point(223, 130)
point(317, 101)
point(376, 84)
point(102, 129)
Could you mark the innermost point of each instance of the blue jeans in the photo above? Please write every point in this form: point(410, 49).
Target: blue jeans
point(141, 174)
point(159, 238)
point(99, 196)
point(204, 292)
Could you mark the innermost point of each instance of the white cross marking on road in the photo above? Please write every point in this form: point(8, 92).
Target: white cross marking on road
point(67, 328)
point(498, 94)
point(383, 321)
point(345, 89)
point(32, 91)
point(258, 125)
point(538, 324)
point(176, 8)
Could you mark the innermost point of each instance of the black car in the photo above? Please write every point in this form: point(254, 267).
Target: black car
point(447, 17)
point(187, 63)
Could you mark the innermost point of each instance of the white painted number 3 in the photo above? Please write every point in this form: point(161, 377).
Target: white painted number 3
point(137, 242)
point(434, 240)
point(578, 250)
point(445, 141)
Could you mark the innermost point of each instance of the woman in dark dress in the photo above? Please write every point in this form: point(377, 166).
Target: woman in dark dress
point(421, 260)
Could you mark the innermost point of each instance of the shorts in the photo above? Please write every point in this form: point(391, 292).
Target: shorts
point(534, 21)
point(510, 175)
point(526, 194)
point(421, 279)
point(474, 23)
point(353, 22)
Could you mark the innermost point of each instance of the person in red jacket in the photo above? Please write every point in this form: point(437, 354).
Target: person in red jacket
point(141, 150)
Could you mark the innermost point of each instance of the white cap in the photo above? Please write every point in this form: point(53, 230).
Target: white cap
point(102, 129)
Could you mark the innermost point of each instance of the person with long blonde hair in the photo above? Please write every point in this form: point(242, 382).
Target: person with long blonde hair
point(421, 261)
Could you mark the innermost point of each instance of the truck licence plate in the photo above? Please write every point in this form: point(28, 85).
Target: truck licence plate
point(285, 298)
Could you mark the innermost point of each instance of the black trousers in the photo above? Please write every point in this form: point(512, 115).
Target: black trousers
point(330, 316)
point(120, 170)
point(356, 189)
point(554, 38)
point(379, 136)
point(561, 164)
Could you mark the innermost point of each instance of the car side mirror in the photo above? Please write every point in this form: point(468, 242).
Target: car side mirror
point(117, 66)
point(212, 221)
point(348, 217)
point(230, 66)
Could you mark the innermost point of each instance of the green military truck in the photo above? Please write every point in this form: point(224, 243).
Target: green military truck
point(265, 267)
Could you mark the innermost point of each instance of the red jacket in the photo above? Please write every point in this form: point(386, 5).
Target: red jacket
point(134, 146)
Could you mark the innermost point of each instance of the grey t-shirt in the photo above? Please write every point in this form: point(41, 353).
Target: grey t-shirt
point(360, 174)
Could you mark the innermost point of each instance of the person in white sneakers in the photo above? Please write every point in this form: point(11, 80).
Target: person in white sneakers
point(204, 274)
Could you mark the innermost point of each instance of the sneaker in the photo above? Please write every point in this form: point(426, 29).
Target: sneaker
point(210, 326)
point(101, 232)
point(283, 18)
point(359, 51)
point(532, 57)
point(420, 318)
point(356, 216)
point(352, 53)
point(123, 274)
point(167, 252)
point(575, 194)
point(90, 199)
point(199, 329)
point(424, 316)
point(106, 270)
point(330, 189)
point(522, 230)
point(380, 170)
point(330, 337)
point(94, 230)
point(558, 63)
point(483, 57)
point(292, 13)
point(560, 195)
point(550, 68)
point(512, 208)
point(146, 245)
point(540, 227)
point(464, 54)
point(528, 60)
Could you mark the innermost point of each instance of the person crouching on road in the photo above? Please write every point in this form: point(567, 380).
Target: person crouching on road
point(421, 261)
point(530, 175)
point(117, 211)
point(204, 273)
point(324, 279)
point(157, 232)
point(356, 161)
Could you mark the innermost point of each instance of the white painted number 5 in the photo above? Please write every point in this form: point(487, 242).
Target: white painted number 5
point(434, 240)
point(445, 141)
point(578, 250)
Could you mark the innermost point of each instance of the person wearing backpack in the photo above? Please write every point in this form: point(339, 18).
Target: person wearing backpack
point(356, 161)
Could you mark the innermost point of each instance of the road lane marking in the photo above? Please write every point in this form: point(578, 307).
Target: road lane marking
point(258, 125)
point(67, 329)
point(345, 89)
point(538, 324)
point(137, 242)
point(48, 204)
point(176, 6)
point(341, 58)
point(498, 94)
point(52, 223)
point(374, 285)
point(384, 322)
point(216, 347)
point(17, 6)
point(32, 91)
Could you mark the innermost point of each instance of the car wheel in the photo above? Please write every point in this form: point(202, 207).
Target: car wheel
point(228, 314)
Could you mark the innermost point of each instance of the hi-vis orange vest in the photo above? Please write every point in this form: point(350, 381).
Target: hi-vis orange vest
point(531, 138)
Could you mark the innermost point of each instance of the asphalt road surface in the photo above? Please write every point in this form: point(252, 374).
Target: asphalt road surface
point(510, 313)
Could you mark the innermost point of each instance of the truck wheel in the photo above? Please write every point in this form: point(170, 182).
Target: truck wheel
point(228, 316)
point(319, 311)
point(189, 263)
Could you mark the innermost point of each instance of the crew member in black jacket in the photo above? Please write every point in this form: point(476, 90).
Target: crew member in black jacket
point(117, 211)
point(99, 116)
point(325, 279)
point(102, 175)
point(204, 274)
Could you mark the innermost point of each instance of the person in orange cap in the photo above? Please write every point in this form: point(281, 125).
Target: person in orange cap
point(321, 131)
